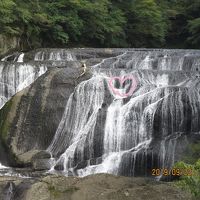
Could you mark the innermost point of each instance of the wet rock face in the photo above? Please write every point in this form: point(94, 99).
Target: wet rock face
point(88, 128)
point(38, 110)
point(44, 102)
point(36, 159)
point(15, 77)
point(131, 136)
point(102, 187)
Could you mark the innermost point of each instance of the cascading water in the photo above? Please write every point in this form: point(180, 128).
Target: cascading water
point(82, 124)
point(10, 191)
point(17, 75)
point(54, 55)
point(16, 57)
point(19, 70)
point(102, 132)
point(14, 77)
point(21, 58)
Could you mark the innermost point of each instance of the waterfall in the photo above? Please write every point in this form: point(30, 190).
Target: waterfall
point(13, 57)
point(5, 58)
point(19, 70)
point(79, 122)
point(15, 77)
point(54, 55)
point(21, 58)
point(101, 132)
point(10, 191)
point(2, 166)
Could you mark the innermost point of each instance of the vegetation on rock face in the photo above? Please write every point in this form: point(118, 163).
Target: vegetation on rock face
point(102, 23)
point(190, 180)
point(4, 130)
point(56, 193)
point(4, 125)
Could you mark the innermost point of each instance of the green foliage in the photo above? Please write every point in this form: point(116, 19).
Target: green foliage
point(7, 16)
point(191, 182)
point(194, 30)
point(192, 153)
point(102, 23)
point(146, 25)
point(185, 28)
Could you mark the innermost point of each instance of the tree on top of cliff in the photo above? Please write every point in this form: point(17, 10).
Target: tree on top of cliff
point(102, 23)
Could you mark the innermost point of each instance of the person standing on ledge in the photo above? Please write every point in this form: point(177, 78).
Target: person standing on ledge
point(84, 70)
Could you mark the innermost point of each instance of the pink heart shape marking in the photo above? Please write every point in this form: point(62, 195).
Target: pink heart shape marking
point(121, 81)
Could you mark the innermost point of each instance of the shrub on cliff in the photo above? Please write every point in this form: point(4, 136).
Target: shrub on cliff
point(191, 181)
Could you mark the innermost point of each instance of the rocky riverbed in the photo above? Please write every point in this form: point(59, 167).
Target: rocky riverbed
point(101, 187)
